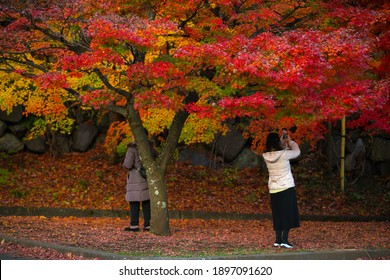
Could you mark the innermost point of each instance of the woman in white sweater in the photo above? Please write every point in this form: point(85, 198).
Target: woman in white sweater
point(281, 186)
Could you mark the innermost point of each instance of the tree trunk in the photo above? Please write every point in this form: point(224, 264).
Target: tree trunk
point(156, 167)
point(158, 204)
point(156, 178)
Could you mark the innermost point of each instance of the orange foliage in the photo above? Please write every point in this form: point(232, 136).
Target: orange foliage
point(118, 132)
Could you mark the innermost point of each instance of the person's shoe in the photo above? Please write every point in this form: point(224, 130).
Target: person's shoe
point(277, 242)
point(131, 229)
point(147, 228)
point(286, 245)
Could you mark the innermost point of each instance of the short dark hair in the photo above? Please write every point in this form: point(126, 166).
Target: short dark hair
point(273, 143)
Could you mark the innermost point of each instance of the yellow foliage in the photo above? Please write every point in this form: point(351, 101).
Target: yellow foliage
point(156, 120)
point(11, 83)
point(176, 41)
point(201, 130)
point(48, 106)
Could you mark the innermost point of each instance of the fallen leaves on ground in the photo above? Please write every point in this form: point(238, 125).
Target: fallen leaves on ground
point(36, 253)
point(87, 181)
point(193, 237)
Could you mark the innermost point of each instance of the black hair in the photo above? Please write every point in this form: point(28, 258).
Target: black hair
point(273, 143)
point(131, 145)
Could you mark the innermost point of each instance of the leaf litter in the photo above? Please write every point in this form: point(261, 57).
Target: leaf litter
point(87, 181)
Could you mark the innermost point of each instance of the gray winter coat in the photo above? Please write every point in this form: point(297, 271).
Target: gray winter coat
point(137, 187)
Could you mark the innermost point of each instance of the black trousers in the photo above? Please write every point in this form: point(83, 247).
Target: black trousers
point(135, 207)
point(285, 210)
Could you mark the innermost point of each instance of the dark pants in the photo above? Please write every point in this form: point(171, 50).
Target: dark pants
point(281, 236)
point(134, 213)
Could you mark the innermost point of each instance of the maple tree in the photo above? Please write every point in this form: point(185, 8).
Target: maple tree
point(165, 64)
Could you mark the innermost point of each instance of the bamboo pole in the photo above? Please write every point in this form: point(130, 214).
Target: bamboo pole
point(342, 155)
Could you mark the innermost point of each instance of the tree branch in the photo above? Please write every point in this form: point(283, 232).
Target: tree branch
point(26, 63)
point(77, 47)
point(107, 83)
point(120, 110)
point(175, 131)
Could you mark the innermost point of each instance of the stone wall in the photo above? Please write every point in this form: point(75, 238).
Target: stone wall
point(362, 154)
point(13, 131)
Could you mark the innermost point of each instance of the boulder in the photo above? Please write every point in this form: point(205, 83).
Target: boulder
point(384, 168)
point(349, 146)
point(14, 117)
point(332, 150)
point(11, 144)
point(380, 149)
point(3, 128)
point(37, 145)
point(356, 158)
point(84, 137)
point(368, 168)
point(230, 145)
point(195, 155)
point(247, 159)
point(60, 143)
point(19, 130)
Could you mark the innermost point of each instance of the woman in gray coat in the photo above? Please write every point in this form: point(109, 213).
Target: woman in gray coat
point(137, 191)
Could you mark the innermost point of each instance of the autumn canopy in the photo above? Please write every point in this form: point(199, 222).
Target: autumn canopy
point(189, 67)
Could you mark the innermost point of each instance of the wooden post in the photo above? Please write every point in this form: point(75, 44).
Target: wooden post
point(342, 155)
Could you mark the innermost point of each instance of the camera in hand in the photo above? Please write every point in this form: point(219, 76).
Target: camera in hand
point(285, 133)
